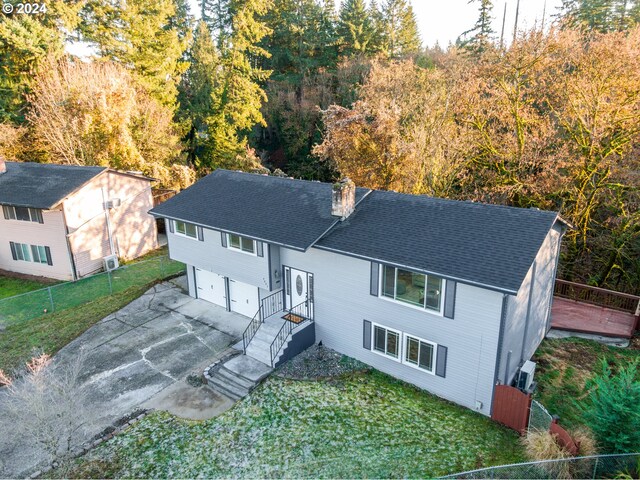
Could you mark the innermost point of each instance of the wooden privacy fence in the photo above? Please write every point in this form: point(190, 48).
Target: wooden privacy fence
point(563, 438)
point(598, 296)
point(511, 408)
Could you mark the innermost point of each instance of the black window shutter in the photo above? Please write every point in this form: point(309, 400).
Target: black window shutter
point(223, 239)
point(441, 361)
point(375, 276)
point(200, 233)
point(259, 249)
point(13, 250)
point(450, 298)
point(47, 250)
point(366, 334)
point(169, 223)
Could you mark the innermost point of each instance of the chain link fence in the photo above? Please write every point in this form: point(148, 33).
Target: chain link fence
point(30, 305)
point(539, 417)
point(598, 466)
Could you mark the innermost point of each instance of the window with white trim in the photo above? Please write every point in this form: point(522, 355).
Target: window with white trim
point(186, 229)
point(386, 341)
point(22, 213)
point(412, 288)
point(243, 244)
point(419, 353)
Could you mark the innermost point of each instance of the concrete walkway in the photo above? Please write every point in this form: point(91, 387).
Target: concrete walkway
point(138, 358)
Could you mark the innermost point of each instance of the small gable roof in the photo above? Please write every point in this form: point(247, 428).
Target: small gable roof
point(488, 245)
point(42, 185)
point(283, 211)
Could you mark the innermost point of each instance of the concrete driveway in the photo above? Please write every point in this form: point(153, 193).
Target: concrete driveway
point(138, 358)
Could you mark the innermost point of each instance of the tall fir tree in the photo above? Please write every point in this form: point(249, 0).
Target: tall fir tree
point(150, 40)
point(25, 42)
point(480, 38)
point(225, 68)
point(600, 15)
point(400, 32)
point(355, 28)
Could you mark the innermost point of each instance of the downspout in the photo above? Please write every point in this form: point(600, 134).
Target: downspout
point(108, 220)
point(503, 321)
point(74, 271)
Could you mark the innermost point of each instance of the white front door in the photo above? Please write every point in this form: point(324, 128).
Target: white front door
point(297, 291)
point(211, 287)
point(244, 298)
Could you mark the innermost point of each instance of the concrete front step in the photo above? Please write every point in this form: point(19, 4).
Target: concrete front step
point(236, 377)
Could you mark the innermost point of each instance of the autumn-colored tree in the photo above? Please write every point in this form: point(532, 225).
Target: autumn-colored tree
point(95, 114)
point(400, 135)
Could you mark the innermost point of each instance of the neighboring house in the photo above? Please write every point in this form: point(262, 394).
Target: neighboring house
point(60, 221)
point(450, 296)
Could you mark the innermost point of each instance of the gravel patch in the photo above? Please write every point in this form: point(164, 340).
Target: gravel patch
point(319, 362)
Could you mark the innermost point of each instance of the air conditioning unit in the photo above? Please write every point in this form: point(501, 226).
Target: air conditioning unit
point(110, 262)
point(525, 376)
point(113, 203)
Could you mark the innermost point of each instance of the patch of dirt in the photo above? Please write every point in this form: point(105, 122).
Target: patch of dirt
point(318, 362)
point(24, 276)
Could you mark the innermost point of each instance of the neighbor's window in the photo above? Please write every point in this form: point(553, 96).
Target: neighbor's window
point(242, 243)
point(39, 254)
point(386, 341)
point(413, 288)
point(22, 252)
point(22, 213)
point(419, 353)
point(186, 229)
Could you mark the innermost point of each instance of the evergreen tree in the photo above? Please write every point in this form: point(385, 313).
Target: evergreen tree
point(200, 93)
point(400, 31)
point(355, 28)
point(600, 15)
point(222, 85)
point(378, 28)
point(149, 39)
point(480, 38)
point(25, 42)
point(328, 35)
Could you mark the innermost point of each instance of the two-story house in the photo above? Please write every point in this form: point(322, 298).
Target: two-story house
point(60, 221)
point(450, 296)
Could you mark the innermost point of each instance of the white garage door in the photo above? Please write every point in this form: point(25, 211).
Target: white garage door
point(211, 287)
point(244, 298)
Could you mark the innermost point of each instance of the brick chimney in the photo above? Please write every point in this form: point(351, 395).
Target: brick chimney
point(343, 198)
point(3, 166)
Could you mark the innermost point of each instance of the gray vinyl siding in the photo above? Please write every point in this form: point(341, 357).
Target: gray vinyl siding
point(343, 300)
point(210, 255)
point(521, 336)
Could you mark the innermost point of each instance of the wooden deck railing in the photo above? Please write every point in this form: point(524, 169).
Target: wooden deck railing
point(598, 296)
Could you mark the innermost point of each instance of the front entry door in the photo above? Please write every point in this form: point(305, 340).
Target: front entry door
point(299, 291)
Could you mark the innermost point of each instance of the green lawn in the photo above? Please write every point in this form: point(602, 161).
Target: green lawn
point(10, 286)
point(563, 367)
point(63, 296)
point(359, 425)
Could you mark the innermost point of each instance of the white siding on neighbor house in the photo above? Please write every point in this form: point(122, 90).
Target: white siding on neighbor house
point(342, 301)
point(50, 234)
point(521, 337)
point(209, 254)
point(134, 231)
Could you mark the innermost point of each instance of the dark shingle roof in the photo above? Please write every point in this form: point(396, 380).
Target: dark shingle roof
point(293, 213)
point(42, 185)
point(483, 244)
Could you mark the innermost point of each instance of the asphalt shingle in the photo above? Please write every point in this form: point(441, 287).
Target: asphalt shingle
point(42, 185)
point(294, 213)
point(483, 244)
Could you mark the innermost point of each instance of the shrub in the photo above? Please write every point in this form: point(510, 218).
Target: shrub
point(612, 408)
point(542, 445)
